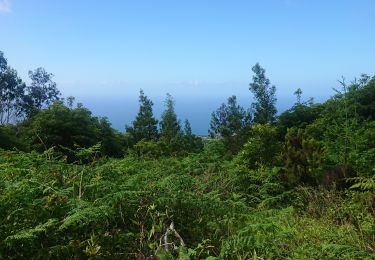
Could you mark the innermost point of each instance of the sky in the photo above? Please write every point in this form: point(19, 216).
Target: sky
point(200, 51)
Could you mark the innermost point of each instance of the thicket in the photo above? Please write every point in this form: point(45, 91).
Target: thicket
point(297, 186)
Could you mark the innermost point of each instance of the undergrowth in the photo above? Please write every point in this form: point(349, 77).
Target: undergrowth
point(122, 208)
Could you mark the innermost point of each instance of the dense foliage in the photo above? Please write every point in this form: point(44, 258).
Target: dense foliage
point(297, 186)
point(122, 208)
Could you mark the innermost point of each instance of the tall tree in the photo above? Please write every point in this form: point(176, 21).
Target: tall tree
point(169, 124)
point(298, 94)
point(187, 129)
point(264, 93)
point(230, 122)
point(145, 126)
point(3, 61)
point(11, 92)
point(41, 93)
point(192, 143)
point(229, 119)
point(111, 140)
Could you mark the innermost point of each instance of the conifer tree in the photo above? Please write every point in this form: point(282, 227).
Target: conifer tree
point(298, 94)
point(187, 129)
point(169, 124)
point(230, 122)
point(302, 157)
point(144, 126)
point(229, 119)
point(264, 93)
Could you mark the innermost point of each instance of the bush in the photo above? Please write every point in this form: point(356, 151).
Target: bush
point(262, 148)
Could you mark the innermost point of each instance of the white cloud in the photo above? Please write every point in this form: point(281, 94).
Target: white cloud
point(5, 6)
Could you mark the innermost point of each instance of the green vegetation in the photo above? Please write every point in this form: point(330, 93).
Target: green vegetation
point(299, 185)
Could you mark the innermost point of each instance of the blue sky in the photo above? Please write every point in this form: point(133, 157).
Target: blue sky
point(103, 52)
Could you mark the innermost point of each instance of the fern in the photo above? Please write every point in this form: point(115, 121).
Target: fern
point(84, 216)
point(30, 234)
point(364, 183)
